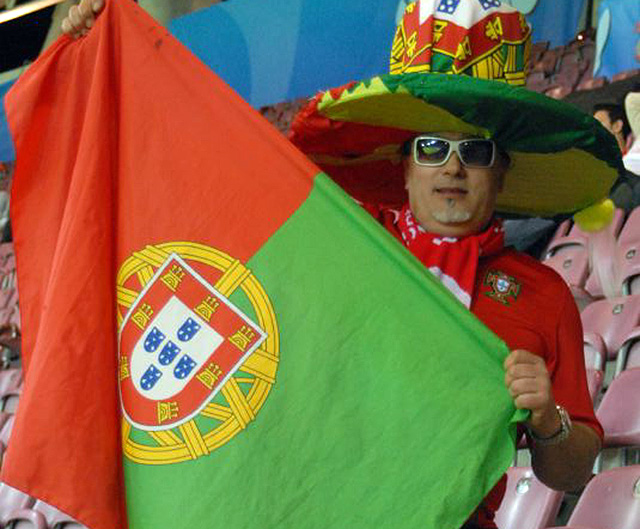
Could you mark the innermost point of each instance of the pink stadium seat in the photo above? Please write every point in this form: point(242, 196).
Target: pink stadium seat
point(595, 351)
point(26, 519)
point(595, 379)
point(9, 401)
point(571, 261)
point(629, 353)
point(56, 519)
point(621, 76)
point(537, 81)
point(611, 500)
point(537, 49)
point(619, 412)
point(561, 231)
point(630, 232)
point(559, 89)
point(10, 500)
point(613, 319)
point(5, 430)
point(590, 84)
point(548, 61)
point(7, 254)
point(10, 380)
point(528, 504)
point(588, 51)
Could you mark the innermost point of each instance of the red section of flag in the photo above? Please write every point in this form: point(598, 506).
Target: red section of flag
point(123, 140)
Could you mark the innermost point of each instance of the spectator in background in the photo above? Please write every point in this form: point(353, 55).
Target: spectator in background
point(632, 108)
point(625, 193)
point(613, 117)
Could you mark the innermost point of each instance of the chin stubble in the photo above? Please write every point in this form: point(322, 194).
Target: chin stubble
point(451, 215)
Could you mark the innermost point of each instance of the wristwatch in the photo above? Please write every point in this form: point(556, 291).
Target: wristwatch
point(560, 435)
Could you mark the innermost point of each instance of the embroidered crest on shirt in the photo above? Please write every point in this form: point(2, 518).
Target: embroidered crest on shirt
point(504, 288)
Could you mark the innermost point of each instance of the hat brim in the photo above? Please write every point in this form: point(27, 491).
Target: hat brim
point(563, 160)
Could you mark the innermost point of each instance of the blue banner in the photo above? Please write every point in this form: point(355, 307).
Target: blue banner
point(617, 37)
point(552, 20)
point(272, 51)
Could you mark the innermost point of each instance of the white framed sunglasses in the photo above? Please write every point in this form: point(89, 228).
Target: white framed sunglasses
point(434, 151)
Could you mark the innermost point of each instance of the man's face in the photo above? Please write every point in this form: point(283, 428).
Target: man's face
point(452, 199)
point(603, 117)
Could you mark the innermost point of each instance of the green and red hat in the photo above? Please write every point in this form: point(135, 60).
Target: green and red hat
point(563, 160)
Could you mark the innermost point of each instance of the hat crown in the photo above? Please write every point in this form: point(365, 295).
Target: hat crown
point(481, 38)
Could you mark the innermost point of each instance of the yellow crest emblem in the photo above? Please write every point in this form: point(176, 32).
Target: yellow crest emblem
point(198, 350)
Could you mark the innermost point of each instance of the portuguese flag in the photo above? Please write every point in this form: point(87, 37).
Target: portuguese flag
point(214, 334)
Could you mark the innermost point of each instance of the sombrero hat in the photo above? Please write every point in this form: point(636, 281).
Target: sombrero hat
point(563, 160)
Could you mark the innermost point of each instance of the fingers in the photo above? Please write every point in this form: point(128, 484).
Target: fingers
point(520, 356)
point(81, 17)
point(529, 384)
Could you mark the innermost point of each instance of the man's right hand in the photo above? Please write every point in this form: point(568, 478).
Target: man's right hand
point(81, 17)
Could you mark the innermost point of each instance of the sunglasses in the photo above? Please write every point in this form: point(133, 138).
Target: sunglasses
point(434, 151)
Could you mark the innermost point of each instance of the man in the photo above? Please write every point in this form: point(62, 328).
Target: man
point(434, 157)
point(632, 111)
point(625, 193)
point(613, 118)
point(455, 178)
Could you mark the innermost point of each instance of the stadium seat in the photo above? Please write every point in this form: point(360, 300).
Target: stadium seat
point(621, 76)
point(595, 380)
point(537, 49)
point(537, 81)
point(558, 90)
point(527, 504)
point(613, 319)
point(595, 351)
point(56, 519)
point(26, 519)
point(9, 401)
point(630, 231)
point(11, 500)
point(5, 430)
point(605, 259)
point(548, 61)
point(10, 380)
point(629, 353)
point(619, 412)
point(611, 500)
point(590, 84)
point(571, 261)
point(561, 231)
point(587, 51)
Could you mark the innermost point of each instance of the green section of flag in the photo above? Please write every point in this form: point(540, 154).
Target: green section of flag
point(388, 411)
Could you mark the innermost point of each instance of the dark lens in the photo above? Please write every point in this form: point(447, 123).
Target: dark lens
point(431, 150)
point(477, 153)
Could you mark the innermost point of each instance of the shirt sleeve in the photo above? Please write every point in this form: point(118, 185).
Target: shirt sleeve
point(567, 369)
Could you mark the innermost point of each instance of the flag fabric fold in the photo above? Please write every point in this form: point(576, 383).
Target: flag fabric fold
point(214, 334)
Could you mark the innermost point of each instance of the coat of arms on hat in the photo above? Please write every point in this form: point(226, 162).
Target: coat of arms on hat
point(503, 287)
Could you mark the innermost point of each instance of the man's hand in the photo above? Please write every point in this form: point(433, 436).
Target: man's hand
point(528, 381)
point(81, 17)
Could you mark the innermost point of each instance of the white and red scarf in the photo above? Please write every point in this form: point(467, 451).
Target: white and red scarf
point(453, 260)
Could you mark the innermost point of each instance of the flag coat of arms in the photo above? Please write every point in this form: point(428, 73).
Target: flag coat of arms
point(214, 334)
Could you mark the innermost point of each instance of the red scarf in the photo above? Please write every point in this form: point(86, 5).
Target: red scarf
point(453, 260)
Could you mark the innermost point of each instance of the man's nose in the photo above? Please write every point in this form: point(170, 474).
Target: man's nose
point(454, 166)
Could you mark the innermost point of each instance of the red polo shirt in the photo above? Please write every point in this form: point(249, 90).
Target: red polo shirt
point(539, 315)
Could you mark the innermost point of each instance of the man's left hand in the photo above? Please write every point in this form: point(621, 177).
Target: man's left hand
point(529, 384)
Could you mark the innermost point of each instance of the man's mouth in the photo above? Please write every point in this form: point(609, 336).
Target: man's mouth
point(454, 192)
